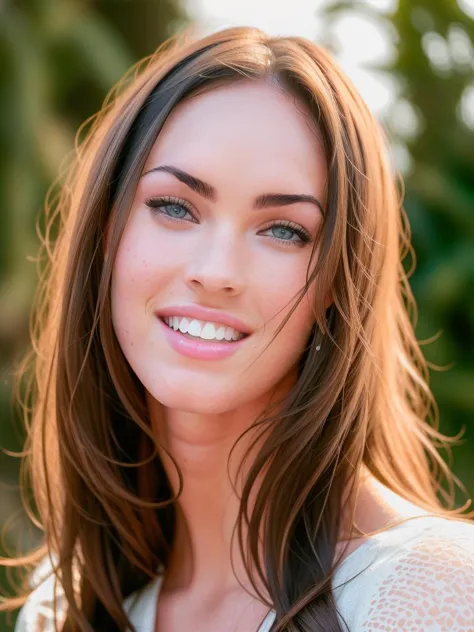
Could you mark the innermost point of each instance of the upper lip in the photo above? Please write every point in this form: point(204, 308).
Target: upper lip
point(204, 313)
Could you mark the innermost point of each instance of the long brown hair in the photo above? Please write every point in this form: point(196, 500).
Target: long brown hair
point(101, 494)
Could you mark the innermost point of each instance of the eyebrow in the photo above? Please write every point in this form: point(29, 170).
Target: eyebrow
point(207, 191)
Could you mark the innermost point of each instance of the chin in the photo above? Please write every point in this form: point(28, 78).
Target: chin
point(198, 400)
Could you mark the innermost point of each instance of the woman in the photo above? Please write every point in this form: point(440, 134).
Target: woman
point(230, 426)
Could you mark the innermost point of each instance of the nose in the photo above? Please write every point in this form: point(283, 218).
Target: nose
point(216, 265)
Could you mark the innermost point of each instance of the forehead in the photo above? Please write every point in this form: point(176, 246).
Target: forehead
point(250, 127)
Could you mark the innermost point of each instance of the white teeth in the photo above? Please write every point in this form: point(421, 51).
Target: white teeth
point(183, 326)
point(220, 332)
point(194, 328)
point(208, 332)
point(201, 329)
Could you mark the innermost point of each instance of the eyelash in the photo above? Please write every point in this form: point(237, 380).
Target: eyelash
point(157, 203)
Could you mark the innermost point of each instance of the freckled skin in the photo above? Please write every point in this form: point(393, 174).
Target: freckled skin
point(245, 140)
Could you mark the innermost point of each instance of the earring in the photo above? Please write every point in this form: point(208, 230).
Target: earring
point(318, 347)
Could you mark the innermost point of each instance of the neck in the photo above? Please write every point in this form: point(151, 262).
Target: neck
point(205, 558)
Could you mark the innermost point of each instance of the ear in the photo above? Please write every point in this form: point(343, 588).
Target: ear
point(328, 301)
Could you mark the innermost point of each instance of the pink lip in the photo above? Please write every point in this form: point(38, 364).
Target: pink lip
point(204, 313)
point(200, 350)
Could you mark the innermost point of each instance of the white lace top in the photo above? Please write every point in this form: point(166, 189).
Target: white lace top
point(420, 578)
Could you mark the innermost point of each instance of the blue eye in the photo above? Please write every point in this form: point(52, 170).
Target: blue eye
point(169, 207)
point(175, 209)
point(285, 229)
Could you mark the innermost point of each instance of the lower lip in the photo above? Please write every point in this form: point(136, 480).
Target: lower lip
point(200, 349)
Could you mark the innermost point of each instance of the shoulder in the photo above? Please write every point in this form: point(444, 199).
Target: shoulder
point(419, 576)
point(37, 613)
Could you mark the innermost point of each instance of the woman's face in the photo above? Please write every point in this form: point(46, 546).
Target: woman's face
point(221, 246)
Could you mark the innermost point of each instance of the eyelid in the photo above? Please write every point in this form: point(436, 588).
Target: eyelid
point(159, 200)
point(291, 225)
point(163, 200)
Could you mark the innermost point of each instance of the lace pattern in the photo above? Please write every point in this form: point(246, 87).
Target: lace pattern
point(419, 578)
point(429, 587)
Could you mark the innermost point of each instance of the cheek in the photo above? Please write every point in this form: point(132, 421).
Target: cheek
point(277, 295)
point(141, 265)
point(134, 280)
point(278, 288)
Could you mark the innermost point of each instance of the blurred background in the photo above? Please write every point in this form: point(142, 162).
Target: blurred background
point(413, 62)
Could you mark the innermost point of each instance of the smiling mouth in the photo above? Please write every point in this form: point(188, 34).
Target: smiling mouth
point(204, 340)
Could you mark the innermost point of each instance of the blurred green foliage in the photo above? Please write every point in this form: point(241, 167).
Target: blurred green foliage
point(59, 59)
